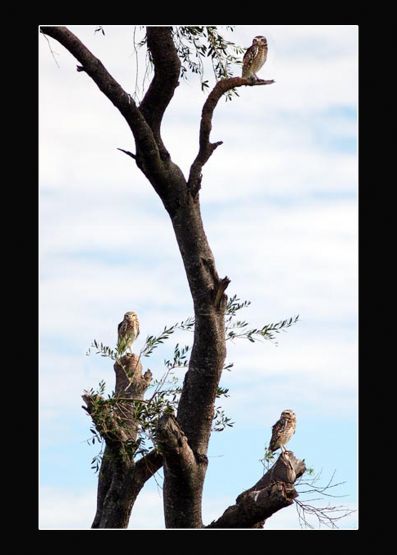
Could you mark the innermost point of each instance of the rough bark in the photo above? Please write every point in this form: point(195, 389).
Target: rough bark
point(120, 477)
point(272, 492)
point(183, 440)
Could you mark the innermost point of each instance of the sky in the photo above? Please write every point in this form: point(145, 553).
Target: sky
point(279, 205)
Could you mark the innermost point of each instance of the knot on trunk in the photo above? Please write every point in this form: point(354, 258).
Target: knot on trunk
point(169, 434)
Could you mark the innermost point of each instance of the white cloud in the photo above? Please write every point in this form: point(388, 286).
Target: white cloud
point(148, 511)
point(62, 509)
point(68, 509)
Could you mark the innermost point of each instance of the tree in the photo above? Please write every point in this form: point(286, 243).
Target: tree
point(181, 441)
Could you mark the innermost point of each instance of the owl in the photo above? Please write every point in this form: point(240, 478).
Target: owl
point(283, 430)
point(128, 331)
point(254, 58)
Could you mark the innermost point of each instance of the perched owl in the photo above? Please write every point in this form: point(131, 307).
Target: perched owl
point(255, 57)
point(283, 430)
point(128, 331)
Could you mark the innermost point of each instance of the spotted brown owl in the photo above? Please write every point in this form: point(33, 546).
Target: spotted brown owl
point(128, 331)
point(254, 58)
point(283, 430)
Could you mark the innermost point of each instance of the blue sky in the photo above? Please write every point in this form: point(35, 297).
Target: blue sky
point(279, 203)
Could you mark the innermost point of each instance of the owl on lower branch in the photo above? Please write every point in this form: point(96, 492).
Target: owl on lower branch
point(254, 58)
point(128, 331)
point(283, 430)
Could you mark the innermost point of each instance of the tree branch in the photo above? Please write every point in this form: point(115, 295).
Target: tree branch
point(128, 153)
point(167, 66)
point(272, 492)
point(256, 507)
point(207, 148)
point(114, 92)
point(147, 466)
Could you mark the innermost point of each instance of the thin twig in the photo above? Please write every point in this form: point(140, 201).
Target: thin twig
point(326, 516)
point(136, 88)
point(51, 50)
